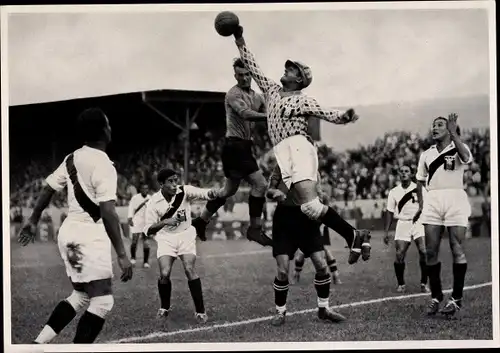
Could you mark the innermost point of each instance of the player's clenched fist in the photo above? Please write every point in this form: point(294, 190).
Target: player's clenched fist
point(350, 116)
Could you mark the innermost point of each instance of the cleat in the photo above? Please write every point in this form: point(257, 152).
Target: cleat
point(401, 288)
point(330, 315)
point(452, 307)
point(424, 288)
point(336, 278)
point(202, 318)
point(257, 235)
point(132, 261)
point(162, 313)
point(366, 246)
point(278, 319)
point(146, 265)
point(201, 226)
point(433, 307)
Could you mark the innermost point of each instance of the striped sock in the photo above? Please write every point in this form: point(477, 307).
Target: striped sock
point(280, 294)
point(322, 285)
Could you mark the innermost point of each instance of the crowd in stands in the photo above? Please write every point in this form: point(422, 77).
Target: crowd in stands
point(367, 172)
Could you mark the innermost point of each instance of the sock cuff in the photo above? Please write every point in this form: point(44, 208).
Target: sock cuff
point(322, 279)
point(331, 262)
point(280, 282)
point(194, 282)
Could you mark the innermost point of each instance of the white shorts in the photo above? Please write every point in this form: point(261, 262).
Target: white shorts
point(137, 228)
point(86, 251)
point(175, 244)
point(447, 208)
point(408, 231)
point(297, 159)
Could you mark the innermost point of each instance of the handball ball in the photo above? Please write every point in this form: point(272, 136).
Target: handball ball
point(226, 23)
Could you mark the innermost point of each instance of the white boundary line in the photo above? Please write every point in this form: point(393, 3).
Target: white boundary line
point(155, 335)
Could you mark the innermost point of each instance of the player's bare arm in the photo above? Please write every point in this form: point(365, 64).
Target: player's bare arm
point(463, 152)
point(389, 217)
point(311, 108)
point(111, 223)
point(28, 231)
point(273, 192)
point(264, 83)
point(156, 227)
point(420, 197)
point(202, 194)
point(241, 107)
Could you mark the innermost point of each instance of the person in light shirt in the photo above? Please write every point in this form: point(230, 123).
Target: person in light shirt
point(440, 171)
point(136, 219)
point(402, 203)
point(168, 219)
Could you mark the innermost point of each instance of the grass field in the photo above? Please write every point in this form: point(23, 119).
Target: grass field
point(237, 280)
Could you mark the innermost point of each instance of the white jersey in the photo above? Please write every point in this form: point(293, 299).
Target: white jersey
point(442, 170)
point(178, 207)
point(137, 210)
point(93, 179)
point(403, 202)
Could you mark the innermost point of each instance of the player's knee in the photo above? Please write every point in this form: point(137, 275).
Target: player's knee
point(400, 256)
point(314, 209)
point(165, 272)
point(282, 274)
point(458, 255)
point(259, 187)
point(322, 270)
point(101, 306)
point(190, 272)
point(78, 300)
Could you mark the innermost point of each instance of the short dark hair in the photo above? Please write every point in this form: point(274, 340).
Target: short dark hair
point(90, 124)
point(164, 174)
point(238, 63)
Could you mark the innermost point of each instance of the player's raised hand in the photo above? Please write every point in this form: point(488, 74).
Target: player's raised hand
point(386, 238)
point(452, 123)
point(27, 233)
point(238, 33)
point(126, 267)
point(350, 116)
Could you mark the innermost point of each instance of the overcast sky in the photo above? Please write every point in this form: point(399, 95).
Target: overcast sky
point(357, 57)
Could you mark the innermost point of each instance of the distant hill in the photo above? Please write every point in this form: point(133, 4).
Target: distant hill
point(376, 120)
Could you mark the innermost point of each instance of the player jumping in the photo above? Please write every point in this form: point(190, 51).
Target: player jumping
point(287, 112)
point(168, 219)
point(243, 107)
point(402, 203)
point(87, 234)
point(293, 230)
point(440, 170)
point(136, 218)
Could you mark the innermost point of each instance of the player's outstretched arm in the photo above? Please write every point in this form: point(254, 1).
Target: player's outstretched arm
point(250, 63)
point(111, 223)
point(235, 100)
point(28, 231)
point(463, 151)
point(310, 107)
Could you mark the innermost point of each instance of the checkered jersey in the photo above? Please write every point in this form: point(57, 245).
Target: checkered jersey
point(287, 114)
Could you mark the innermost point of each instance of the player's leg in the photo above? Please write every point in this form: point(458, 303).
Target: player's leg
point(399, 263)
point(92, 321)
point(256, 201)
point(419, 237)
point(284, 247)
point(433, 234)
point(194, 284)
point(146, 249)
point(322, 281)
point(331, 262)
point(165, 263)
point(456, 236)
point(200, 223)
point(64, 312)
point(299, 265)
point(133, 247)
point(298, 161)
point(281, 286)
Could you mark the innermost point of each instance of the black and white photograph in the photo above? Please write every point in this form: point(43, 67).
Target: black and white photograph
point(249, 176)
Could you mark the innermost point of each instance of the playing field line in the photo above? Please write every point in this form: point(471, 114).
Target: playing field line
point(156, 335)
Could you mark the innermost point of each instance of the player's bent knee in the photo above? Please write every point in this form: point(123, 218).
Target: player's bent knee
point(78, 300)
point(165, 272)
point(313, 209)
point(282, 274)
point(190, 273)
point(101, 306)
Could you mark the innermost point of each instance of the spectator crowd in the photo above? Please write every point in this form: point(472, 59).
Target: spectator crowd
point(367, 172)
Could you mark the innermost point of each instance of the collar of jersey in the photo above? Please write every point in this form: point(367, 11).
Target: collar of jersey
point(450, 146)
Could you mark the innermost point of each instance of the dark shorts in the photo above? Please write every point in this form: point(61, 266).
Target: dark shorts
point(293, 230)
point(326, 236)
point(238, 161)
